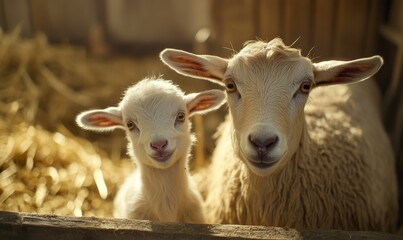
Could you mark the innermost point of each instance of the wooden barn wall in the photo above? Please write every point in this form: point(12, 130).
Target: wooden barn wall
point(154, 21)
point(61, 20)
point(333, 28)
point(122, 21)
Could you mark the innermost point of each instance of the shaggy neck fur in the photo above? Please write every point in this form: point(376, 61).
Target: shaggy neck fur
point(166, 187)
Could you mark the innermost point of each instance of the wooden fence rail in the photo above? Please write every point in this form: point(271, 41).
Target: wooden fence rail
point(33, 226)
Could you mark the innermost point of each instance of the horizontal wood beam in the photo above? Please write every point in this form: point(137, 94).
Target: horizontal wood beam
point(33, 226)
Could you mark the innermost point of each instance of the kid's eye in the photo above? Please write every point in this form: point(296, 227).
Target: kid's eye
point(130, 125)
point(181, 117)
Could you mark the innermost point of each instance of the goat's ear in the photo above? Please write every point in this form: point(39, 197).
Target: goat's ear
point(203, 102)
point(338, 72)
point(207, 67)
point(101, 119)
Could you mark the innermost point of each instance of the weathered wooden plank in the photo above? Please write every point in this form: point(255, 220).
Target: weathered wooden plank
point(323, 28)
point(155, 22)
point(396, 15)
point(64, 20)
point(350, 28)
point(236, 22)
point(16, 13)
point(373, 22)
point(347, 235)
point(270, 15)
point(3, 23)
point(298, 24)
point(40, 16)
point(32, 226)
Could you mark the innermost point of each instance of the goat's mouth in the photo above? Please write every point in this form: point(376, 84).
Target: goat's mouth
point(263, 164)
point(162, 156)
point(260, 161)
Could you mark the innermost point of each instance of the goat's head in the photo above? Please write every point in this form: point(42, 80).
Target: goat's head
point(155, 115)
point(267, 86)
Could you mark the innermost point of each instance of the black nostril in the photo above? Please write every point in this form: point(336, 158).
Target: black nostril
point(263, 144)
point(159, 144)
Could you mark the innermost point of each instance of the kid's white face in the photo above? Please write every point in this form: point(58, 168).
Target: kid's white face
point(155, 114)
point(159, 136)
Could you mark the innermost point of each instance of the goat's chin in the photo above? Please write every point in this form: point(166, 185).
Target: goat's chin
point(261, 168)
point(162, 165)
point(161, 162)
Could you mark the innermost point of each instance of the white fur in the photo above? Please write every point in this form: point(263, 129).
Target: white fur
point(161, 188)
point(328, 164)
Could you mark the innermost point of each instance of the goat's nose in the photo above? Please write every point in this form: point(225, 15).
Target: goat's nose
point(159, 145)
point(263, 145)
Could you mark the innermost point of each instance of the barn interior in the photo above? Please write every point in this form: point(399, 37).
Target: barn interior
point(59, 58)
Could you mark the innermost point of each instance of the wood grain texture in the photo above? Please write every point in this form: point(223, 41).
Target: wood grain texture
point(323, 28)
point(374, 10)
point(298, 23)
point(17, 13)
point(32, 226)
point(3, 20)
point(64, 20)
point(351, 28)
point(235, 22)
point(270, 19)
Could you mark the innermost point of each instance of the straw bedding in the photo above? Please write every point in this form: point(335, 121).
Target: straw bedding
point(56, 173)
point(44, 167)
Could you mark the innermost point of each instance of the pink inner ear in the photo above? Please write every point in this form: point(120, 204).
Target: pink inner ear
point(184, 59)
point(205, 103)
point(203, 74)
point(353, 71)
point(100, 120)
point(200, 106)
point(193, 67)
point(346, 75)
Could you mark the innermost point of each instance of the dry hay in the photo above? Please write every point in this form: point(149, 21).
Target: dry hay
point(50, 170)
point(28, 72)
point(57, 173)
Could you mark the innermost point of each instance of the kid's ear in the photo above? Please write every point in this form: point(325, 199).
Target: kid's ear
point(207, 67)
point(101, 119)
point(204, 102)
point(339, 72)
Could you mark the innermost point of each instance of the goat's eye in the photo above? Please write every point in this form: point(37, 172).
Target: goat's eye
point(230, 85)
point(306, 86)
point(181, 117)
point(130, 125)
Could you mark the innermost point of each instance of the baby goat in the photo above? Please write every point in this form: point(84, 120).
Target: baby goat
point(154, 113)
